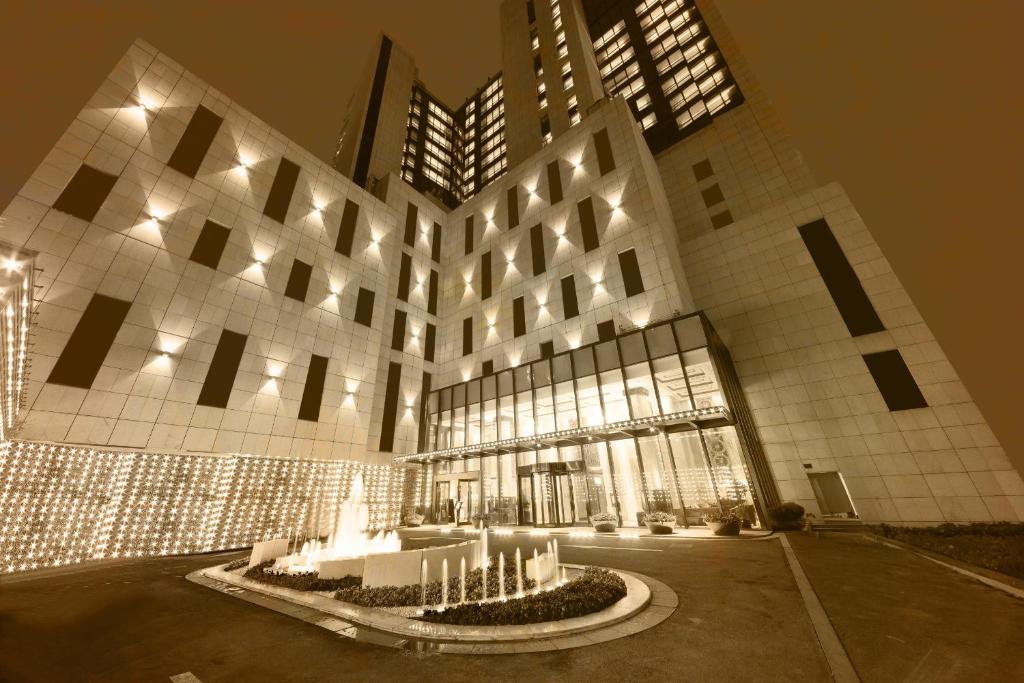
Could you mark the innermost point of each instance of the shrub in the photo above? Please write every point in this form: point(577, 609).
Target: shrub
point(719, 516)
point(410, 596)
point(237, 564)
point(604, 517)
point(787, 516)
point(592, 591)
point(299, 582)
point(998, 546)
point(660, 518)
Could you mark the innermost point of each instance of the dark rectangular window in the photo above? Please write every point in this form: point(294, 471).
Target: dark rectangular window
point(347, 231)
point(364, 307)
point(569, 304)
point(519, 316)
point(485, 275)
point(894, 380)
point(221, 376)
point(428, 343)
point(210, 245)
point(281, 191)
point(554, 182)
point(435, 244)
point(841, 280)
point(606, 330)
point(398, 332)
point(387, 427)
point(469, 235)
point(298, 280)
point(513, 206)
point(411, 217)
point(362, 167)
point(432, 294)
point(712, 195)
point(702, 170)
point(531, 15)
point(404, 276)
point(89, 344)
point(605, 159)
point(537, 249)
point(588, 224)
point(85, 193)
point(722, 219)
point(467, 336)
point(487, 368)
point(195, 142)
point(547, 349)
point(630, 268)
point(313, 392)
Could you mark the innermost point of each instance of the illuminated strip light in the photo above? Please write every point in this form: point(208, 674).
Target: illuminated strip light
point(594, 430)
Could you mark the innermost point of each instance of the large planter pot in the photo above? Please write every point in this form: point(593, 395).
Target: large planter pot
point(604, 527)
point(659, 527)
point(414, 520)
point(724, 528)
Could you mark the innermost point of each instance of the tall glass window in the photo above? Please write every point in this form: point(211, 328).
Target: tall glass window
point(459, 415)
point(703, 381)
point(658, 475)
point(640, 388)
point(508, 499)
point(628, 482)
point(432, 423)
point(599, 479)
point(489, 483)
point(727, 466)
point(614, 396)
point(668, 373)
point(506, 407)
point(490, 408)
point(692, 475)
point(444, 433)
point(524, 402)
point(590, 402)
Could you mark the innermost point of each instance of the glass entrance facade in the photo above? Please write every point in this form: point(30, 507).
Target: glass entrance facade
point(631, 425)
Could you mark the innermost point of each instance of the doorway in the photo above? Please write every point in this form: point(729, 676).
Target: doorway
point(457, 498)
point(552, 494)
point(833, 497)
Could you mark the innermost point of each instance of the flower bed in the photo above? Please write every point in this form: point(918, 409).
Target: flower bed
point(299, 582)
point(237, 564)
point(592, 591)
point(410, 596)
point(999, 546)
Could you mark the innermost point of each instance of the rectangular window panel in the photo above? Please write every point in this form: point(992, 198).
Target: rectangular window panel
point(428, 343)
point(85, 193)
point(391, 393)
point(221, 376)
point(467, 336)
point(281, 191)
point(432, 294)
point(469, 235)
point(485, 275)
point(195, 142)
point(210, 245)
point(435, 246)
point(630, 268)
point(603, 146)
point(404, 276)
point(569, 304)
point(364, 307)
point(487, 369)
point(89, 344)
point(519, 316)
point(537, 249)
point(606, 330)
point(588, 224)
point(554, 182)
point(841, 280)
point(398, 332)
point(313, 392)
point(547, 349)
point(513, 206)
point(411, 217)
point(347, 231)
point(894, 380)
point(298, 280)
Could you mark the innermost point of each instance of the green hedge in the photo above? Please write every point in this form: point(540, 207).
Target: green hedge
point(237, 564)
point(299, 582)
point(592, 591)
point(410, 596)
point(998, 546)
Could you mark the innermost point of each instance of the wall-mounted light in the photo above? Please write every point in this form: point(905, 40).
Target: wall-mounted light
point(11, 265)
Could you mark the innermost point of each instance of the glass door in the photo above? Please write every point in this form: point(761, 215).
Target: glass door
point(525, 500)
point(442, 496)
point(469, 500)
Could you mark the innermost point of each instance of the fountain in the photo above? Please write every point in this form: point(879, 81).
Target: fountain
point(462, 581)
point(483, 545)
point(444, 583)
point(423, 584)
point(483, 586)
point(519, 573)
point(501, 575)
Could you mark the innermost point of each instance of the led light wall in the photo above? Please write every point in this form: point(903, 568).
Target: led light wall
point(16, 286)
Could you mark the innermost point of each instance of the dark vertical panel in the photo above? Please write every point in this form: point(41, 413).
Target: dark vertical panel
point(411, 218)
point(469, 234)
point(467, 336)
point(702, 170)
point(387, 427)
point(428, 343)
point(398, 331)
point(537, 249)
point(606, 330)
point(435, 245)
point(432, 294)
point(513, 206)
point(90, 343)
point(404, 276)
point(362, 167)
point(210, 245)
point(722, 219)
point(85, 192)
point(588, 224)
point(631, 276)
point(364, 307)
point(195, 142)
point(554, 182)
point(487, 368)
point(423, 426)
point(221, 376)
point(712, 195)
point(603, 146)
point(519, 316)
point(347, 231)
point(547, 349)
point(313, 392)
point(298, 280)
point(485, 275)
point(894, 380)
point(841, 280)
point(281, 191)
point(570, 306)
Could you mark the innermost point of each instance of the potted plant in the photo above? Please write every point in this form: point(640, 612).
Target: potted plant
point(483, 520)
point(788, 516)
point(604, 522)
point(660, 522)
point(414, 519)
point(722, 523)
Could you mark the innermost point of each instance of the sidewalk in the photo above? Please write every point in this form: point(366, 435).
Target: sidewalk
point(588, 532)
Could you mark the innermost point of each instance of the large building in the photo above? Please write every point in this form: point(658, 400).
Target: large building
point(605, 282)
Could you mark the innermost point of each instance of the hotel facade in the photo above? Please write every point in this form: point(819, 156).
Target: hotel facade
point(606, 282)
